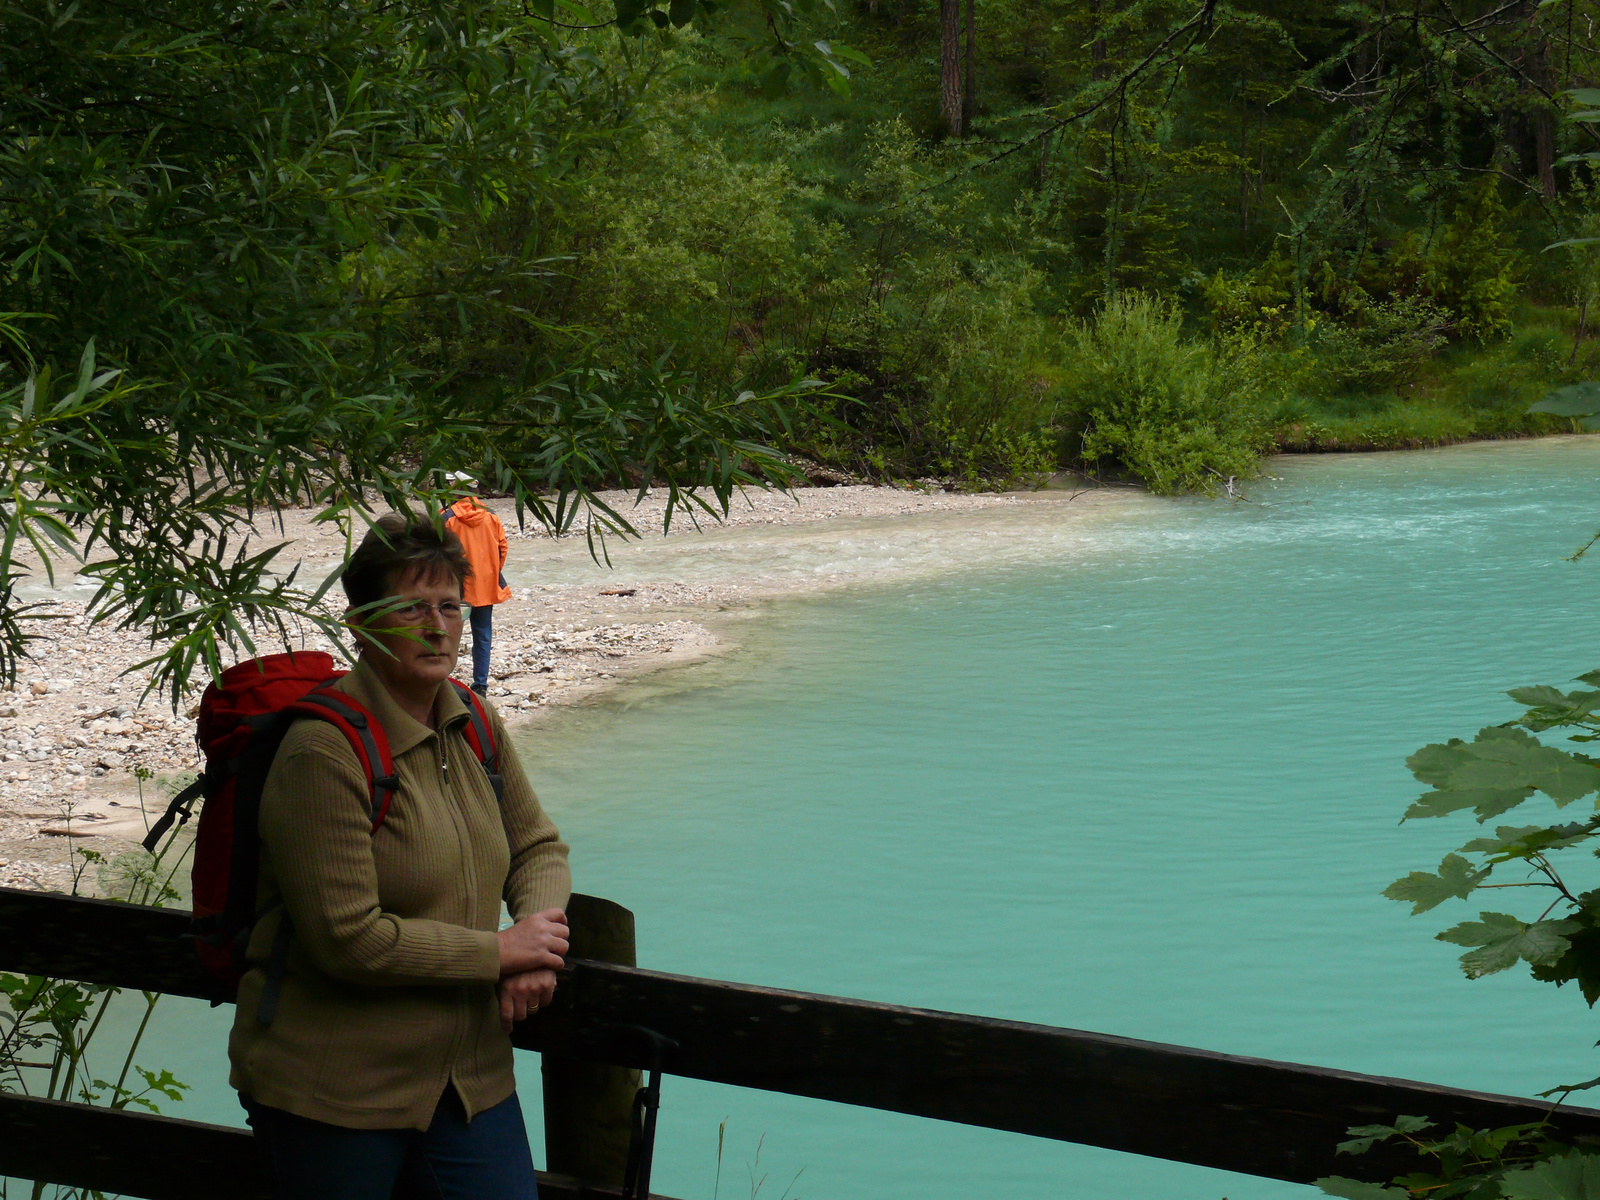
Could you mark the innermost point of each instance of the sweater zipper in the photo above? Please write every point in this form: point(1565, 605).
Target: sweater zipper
point(444, 766)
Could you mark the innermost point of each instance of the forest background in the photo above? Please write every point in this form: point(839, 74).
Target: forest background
point(1151, 238)
point(335, 252)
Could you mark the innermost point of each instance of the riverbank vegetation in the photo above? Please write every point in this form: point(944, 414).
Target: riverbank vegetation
point(1344, 212)
point(338, 251)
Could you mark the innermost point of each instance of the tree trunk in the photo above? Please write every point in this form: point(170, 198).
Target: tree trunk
point(1544, 145)
point(950, 65)
point(1544, 127)
point(969, 90)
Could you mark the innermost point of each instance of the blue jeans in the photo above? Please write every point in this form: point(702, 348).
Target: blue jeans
point(486, 1158)
point(482, 639)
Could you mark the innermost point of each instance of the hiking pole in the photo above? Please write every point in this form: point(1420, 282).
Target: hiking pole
point(646, 1103)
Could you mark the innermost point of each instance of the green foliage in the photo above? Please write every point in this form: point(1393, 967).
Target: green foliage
point(1180, 414)
point(1506, 767)
point(1513, 1163)
point(678, 242)
point(1425, 889)
point(1503, 768)
point(1259, 302)
point(782, 50)
point(1575, 400)
point(215, 230)
point(1377, 344)
point(326, 254)
point(1468, 270)
point(50, 1029)
point(1574, 1175)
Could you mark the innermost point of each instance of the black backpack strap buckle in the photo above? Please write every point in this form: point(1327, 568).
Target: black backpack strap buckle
point(180, 810)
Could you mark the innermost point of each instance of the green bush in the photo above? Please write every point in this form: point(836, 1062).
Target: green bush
point(1181, 414)
point(960, 385)
point(1260, 300)
point(1469, 268)
point(1378, 344)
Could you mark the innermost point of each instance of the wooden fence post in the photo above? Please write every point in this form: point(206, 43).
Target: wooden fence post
point(588, 1106)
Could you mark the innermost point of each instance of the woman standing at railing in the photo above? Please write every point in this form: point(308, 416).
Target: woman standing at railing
point(383, 1065)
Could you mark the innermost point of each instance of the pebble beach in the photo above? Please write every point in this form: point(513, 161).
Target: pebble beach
point(88, 758)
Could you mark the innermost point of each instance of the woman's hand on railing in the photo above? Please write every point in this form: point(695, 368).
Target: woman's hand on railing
point(538, 942)
point(523, 995)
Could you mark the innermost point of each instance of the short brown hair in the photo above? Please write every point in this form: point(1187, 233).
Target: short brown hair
point(397, 545)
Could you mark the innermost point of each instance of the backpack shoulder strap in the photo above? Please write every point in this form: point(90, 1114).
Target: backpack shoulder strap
point(371, 744)
point(366, 737)
point(180, 810)
point(480, 736)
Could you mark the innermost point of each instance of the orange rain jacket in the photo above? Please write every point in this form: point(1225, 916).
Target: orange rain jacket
point(484, 539)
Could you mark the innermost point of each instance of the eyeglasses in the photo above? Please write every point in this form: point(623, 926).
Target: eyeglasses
point(417, 611)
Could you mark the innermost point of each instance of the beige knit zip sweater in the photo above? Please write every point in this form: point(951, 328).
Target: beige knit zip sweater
point(389, 993)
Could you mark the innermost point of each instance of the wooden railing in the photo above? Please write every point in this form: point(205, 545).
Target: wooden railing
point(1279, 1120)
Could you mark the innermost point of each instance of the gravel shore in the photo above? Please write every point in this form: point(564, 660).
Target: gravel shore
point(86, 758)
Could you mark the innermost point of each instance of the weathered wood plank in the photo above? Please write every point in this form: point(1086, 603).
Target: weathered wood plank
point(130, 945)
point(588, 1105)
point(99, 941)
point(159, 1158)
point(136, 1154)
point(1279, 1120)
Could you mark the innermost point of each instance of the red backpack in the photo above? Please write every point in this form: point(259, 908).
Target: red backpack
point(243, 718)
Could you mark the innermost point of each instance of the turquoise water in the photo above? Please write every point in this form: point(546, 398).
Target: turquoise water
point(1138, 774)
point(1146, 784)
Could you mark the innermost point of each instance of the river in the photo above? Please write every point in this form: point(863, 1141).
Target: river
point(1139, 774)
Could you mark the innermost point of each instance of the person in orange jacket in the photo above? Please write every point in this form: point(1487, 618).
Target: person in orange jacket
point(484, 539)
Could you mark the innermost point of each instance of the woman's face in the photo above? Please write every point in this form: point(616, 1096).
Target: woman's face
point(423, 650)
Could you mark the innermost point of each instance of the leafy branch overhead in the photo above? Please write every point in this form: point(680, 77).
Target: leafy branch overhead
point(216, 241)
point(1501, 769)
